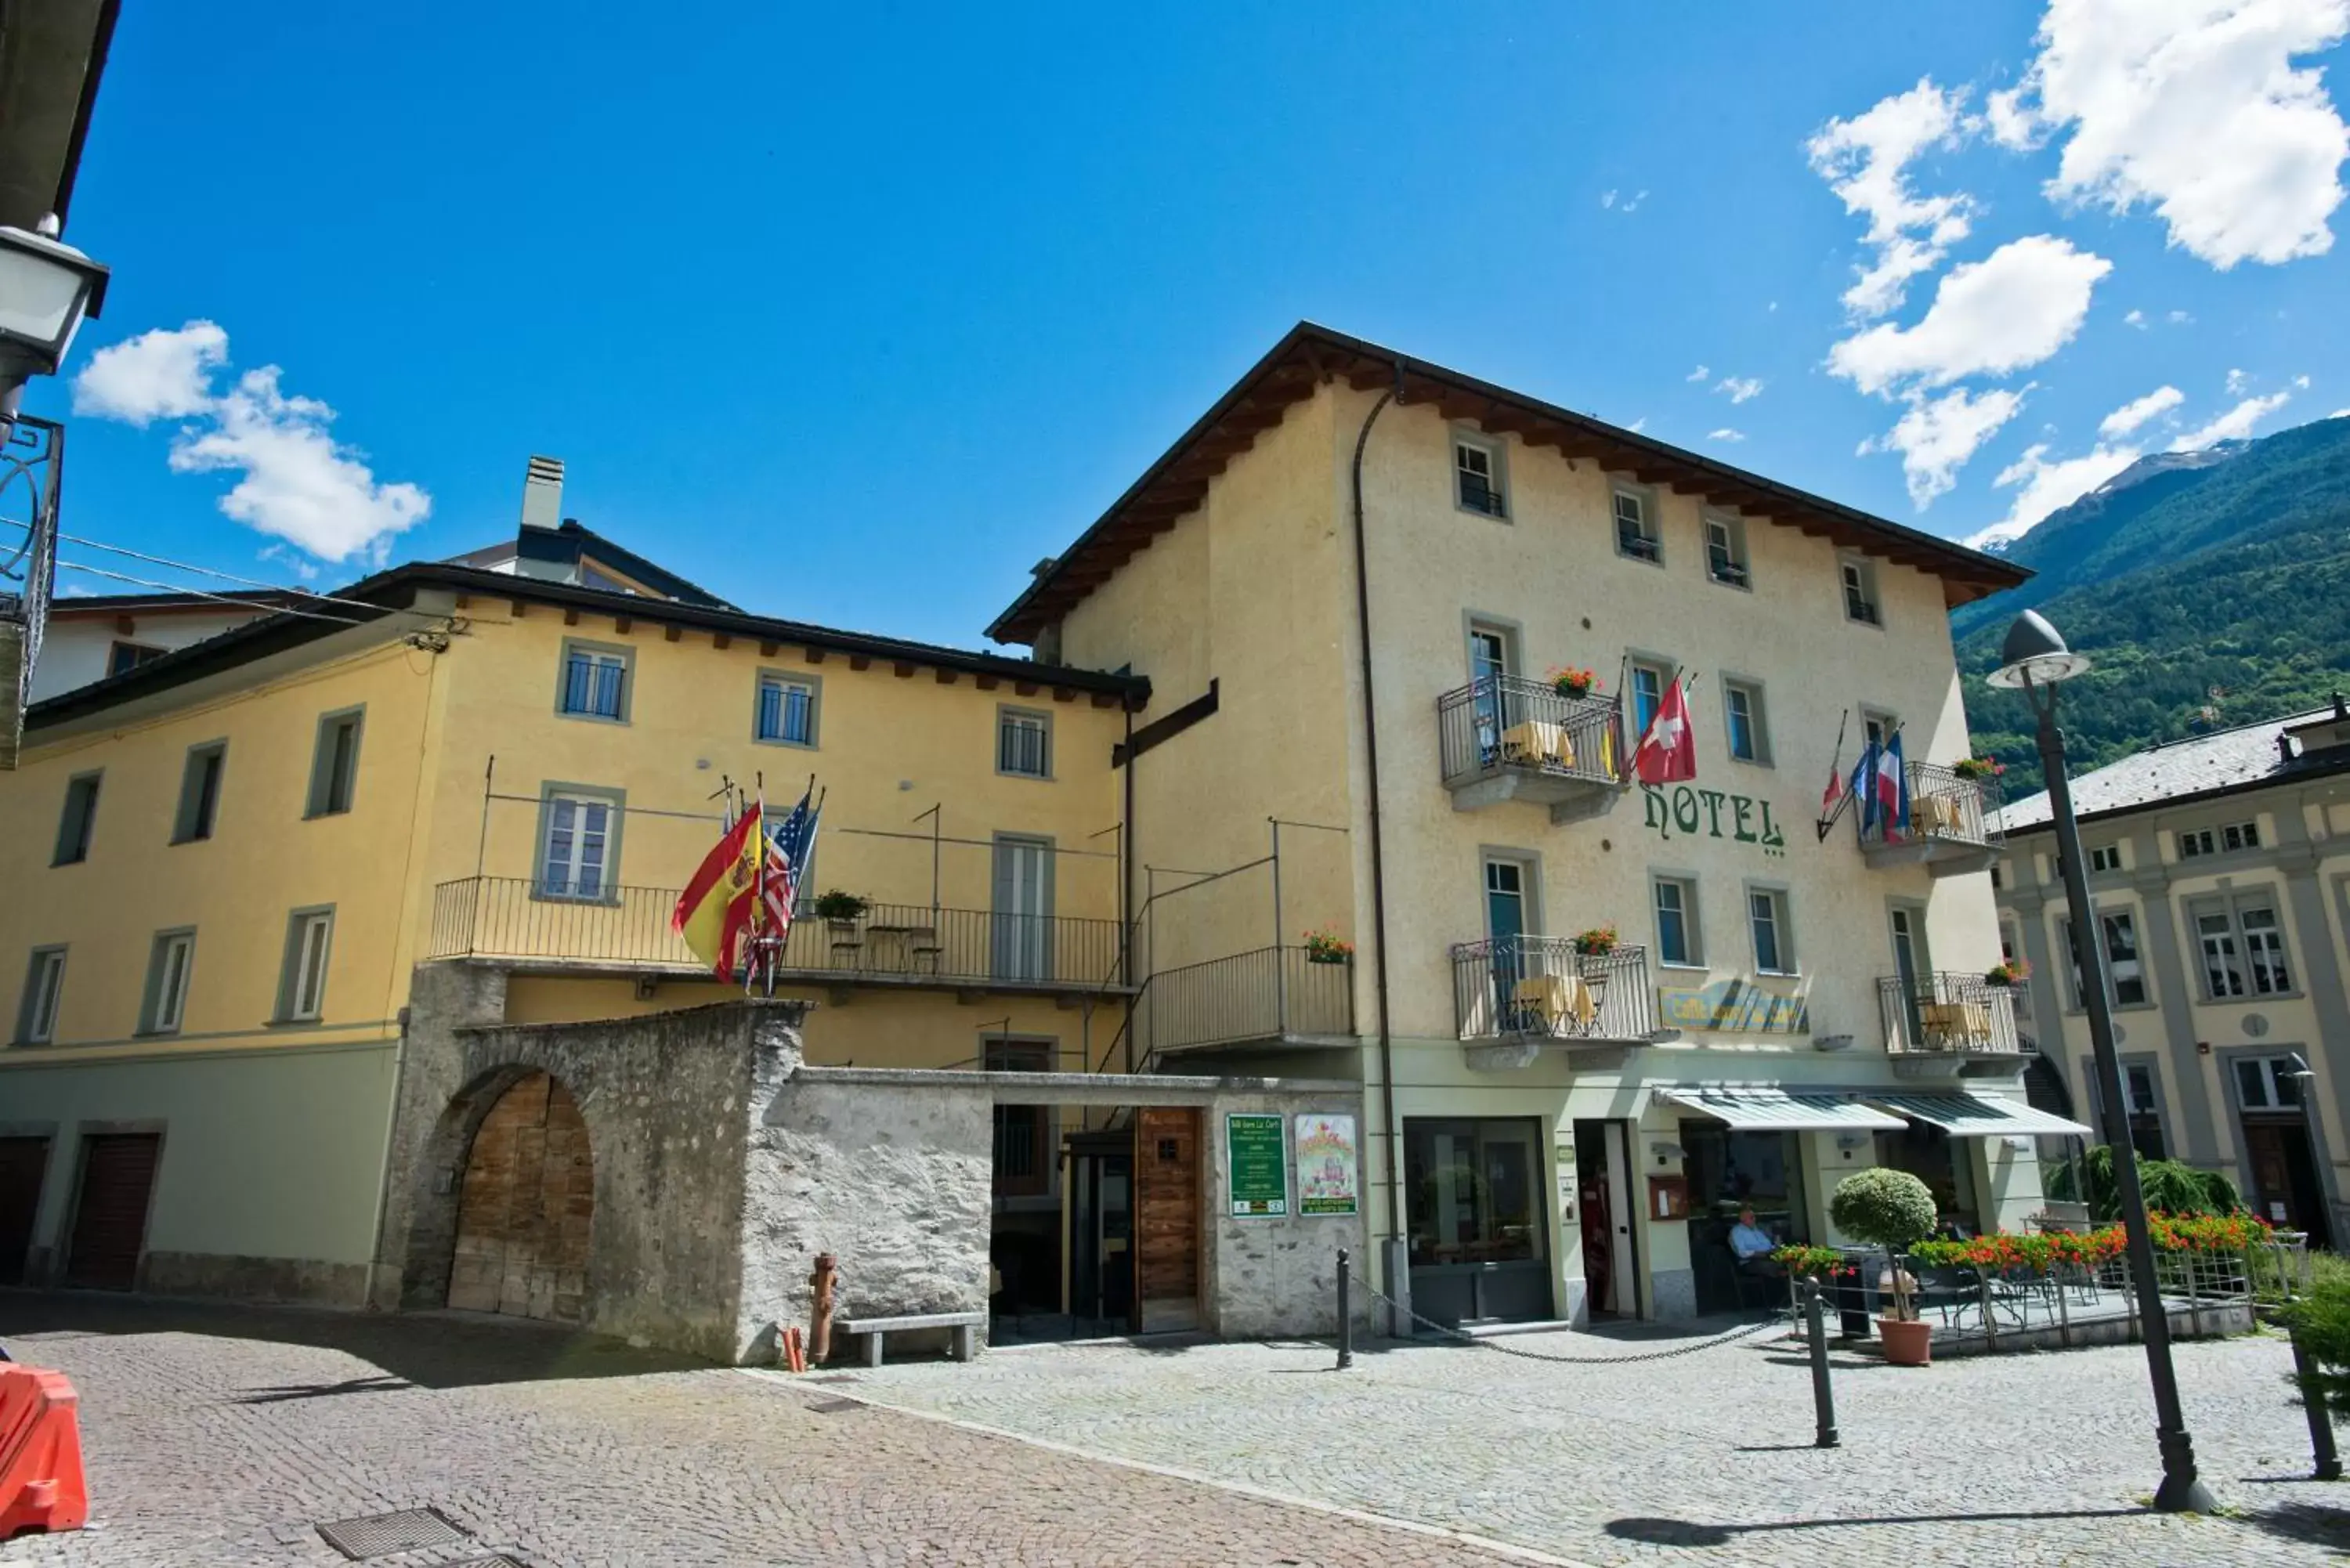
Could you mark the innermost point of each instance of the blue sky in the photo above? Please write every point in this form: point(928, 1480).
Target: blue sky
point(853, 313)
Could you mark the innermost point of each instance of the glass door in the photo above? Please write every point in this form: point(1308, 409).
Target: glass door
point(1505, 932)
point(1478, 1220)
point(1912, 964)
point(1023, 909)
point(1489, 670)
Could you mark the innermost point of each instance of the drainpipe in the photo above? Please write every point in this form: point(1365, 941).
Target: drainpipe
point(1391, 1248)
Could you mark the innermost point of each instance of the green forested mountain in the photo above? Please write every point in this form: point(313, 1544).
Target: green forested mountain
point(2211, 589)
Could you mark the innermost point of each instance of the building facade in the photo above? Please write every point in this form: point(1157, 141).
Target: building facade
point(2220, 869)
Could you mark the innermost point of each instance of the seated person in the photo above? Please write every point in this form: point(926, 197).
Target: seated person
point(1753, 1246)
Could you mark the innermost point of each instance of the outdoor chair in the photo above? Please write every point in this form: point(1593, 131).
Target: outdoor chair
point(1949, 1291)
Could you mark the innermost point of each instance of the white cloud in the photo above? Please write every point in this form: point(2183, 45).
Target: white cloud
point(1725, 433)
point(1740, 387)
point(1637, 426)
point(2179, 319)
point(2013, 308)
point(1700, 374)
point(2012, 123)
point(2135, 318)
point(164, 374)
point(1866, 158)
point(289, 558)
point(2339, 414)
point(1617, 202)
point(1937, 435)
point(2235, 424)
point(1607, 199)
point(2192, 107)
point(297, 483)
point(2236, 379)
point(2301, 383)
point(2131, 415)
point(2044, 487)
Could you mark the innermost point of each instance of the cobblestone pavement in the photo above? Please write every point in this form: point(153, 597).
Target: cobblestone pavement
point(2032, 1459)
point(220, 1436)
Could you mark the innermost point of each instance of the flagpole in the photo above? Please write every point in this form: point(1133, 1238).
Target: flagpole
point(1836, 772)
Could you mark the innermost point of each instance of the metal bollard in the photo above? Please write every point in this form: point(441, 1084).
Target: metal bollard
point(2325, 1465)
point(1823, 1396)
point(1345, 1317)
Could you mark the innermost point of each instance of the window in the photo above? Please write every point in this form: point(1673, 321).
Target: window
point(1023, 1140)
point(2142, 1106)
point(2216, 840)
point(1635, 528)
point(786, 714)
point(1995, 883)
point(122, 657)
point(168, 965)
point(2008, 944)
point(1725, 552)
point(2106, 857)
point(1877, 727)
point(1024, 744)
point(1741, 709)
point(200, 782)
point(80, 816)
point(2267, 1083)
point(595, 683)
point(1766, 915)
point(2123, 968)
point(2243, 947)
point(45, 984)
point(334, 763)
point(1648, 683)
point(1677, 932)
point(578, 844)
point(1477, 472)
point(302, 981)
point(1859, 590)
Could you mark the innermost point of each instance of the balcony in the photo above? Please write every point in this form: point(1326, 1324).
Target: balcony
point(1514, 995)
point(1946, 1025)
point(1270, 996)
point(1505, 738)
point(1949, 831)
point(914, 946)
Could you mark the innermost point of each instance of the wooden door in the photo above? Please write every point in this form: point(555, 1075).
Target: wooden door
point(110, 1228)
point(527, 1210)
point(24, 1161)
point(1167, 1216)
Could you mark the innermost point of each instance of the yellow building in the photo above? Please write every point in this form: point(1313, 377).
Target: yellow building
point(227, 861)
point(2219, 867)
point(1349, 585)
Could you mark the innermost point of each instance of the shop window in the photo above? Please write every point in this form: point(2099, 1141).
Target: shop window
point(1475, 1190)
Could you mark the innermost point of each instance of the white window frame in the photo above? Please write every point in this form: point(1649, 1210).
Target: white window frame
point(555, 802)
point(1735, 687)
point(1762, 896)
point(44, 990)
point(2104, 857)
point(309, 948)
point(1857, 585)
point(1692, 928)
point(785, 684)
point(170, 963)
point(2274, 1073)
point(335, 772)
point(2118, 928)
point(1007, 719)
point(1726, 561)
point(1634, 668)
point(1496, 475)
point(2244, 952)
point(1647, 529)
point(600, 657)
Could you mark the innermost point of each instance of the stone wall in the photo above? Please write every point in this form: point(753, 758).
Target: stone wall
point(1272, 1277)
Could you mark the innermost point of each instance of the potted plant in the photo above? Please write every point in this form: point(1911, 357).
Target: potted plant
point(1326, 946)
point(1596, 943)
point(839, 911)
point(1892, 1210)
point(2008, 973)
point(1979, 767)
point(1572, 681)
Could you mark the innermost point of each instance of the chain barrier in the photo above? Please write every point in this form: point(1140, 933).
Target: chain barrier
point(1745, 1331)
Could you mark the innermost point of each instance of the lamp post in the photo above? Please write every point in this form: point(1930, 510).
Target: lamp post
point(2034, 660)
point(46, 287)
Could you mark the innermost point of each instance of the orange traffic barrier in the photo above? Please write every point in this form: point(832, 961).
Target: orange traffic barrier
point(794, 1354)
point(41, 1484)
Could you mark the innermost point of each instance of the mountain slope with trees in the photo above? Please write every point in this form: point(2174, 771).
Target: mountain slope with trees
point(2210, 588)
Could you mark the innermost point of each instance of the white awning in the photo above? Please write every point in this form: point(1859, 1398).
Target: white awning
point(1978, 1115)
point(1782, 1110)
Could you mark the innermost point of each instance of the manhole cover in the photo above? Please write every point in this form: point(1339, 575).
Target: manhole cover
point(834, 1406)
point(410, 1529)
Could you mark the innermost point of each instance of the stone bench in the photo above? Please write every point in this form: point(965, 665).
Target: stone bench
point(964, 1324)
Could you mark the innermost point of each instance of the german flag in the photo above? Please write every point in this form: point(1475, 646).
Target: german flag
point(716, 905)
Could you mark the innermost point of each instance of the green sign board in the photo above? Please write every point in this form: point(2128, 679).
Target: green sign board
point(1257, 1156)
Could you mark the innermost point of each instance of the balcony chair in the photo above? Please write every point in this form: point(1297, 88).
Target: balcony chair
point(1562, 1003)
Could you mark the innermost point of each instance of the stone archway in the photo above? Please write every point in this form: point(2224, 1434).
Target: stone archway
point(525, 1207)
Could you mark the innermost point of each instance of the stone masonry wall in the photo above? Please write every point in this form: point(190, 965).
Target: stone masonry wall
point(1269, 1278)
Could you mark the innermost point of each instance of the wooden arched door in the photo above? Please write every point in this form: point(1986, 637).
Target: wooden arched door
point(524, 1211)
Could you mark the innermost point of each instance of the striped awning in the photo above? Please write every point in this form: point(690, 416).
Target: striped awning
point(1782, 1110)
point(1979, 1116)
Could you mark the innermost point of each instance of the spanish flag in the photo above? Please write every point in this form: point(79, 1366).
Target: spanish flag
point(716, 904)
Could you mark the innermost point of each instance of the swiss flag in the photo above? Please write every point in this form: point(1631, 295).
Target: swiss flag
point(1668, 752)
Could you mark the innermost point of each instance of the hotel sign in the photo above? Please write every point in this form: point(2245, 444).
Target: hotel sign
point(1733, 1006)
point(1694, 813)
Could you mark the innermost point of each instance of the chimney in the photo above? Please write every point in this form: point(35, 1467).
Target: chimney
point(542, 493)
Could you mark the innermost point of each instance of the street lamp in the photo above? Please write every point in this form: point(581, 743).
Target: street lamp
point(2034, 660)
point(46, 287)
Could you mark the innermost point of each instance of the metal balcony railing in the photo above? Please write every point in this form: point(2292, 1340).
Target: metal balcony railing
point(509, 918)
point(1944, 1013)
point(1945, 807)
point(1516, 988)
point(1271, 994)
point(1500, 723)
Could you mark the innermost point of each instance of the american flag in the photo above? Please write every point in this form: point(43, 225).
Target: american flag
point(789, 845)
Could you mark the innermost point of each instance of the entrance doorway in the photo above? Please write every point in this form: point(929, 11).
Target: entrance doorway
point(526, 1209)
point(1603, 1179)
point(110, 1228)
point(1101, 1231)
point(24, 1161)
point(1912, 963)
point(1730, 1170)
point(1946, 1165)
point(1167, 1218)
point(2285, 1188)
point(1479, 1224)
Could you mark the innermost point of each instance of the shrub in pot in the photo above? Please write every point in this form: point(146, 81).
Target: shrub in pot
point(839, 908)
point(1892, 1210)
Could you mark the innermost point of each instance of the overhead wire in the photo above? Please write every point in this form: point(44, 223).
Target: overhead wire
point(225, 576)
point(199, 593)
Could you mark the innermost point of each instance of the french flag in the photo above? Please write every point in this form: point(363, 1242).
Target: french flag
point(1889, 797)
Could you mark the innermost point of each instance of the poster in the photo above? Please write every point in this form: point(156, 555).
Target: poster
point(1326, 1163)
point(1259, 1165)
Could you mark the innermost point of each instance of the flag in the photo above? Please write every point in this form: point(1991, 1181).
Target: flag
point(1863, 785)
point(791, 846)
point(710, 912)
point(1892, 790)
point(1667, 750)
